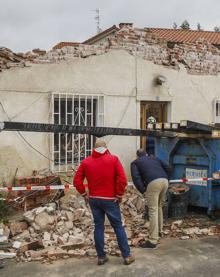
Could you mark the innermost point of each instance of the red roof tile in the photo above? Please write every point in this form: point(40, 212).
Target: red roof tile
point(173, 35)
point(101, 35)
point(63, 44)
point(91, 40)
point(179, 35)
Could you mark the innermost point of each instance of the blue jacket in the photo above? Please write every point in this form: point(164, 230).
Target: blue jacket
point(150, 145)
point(146, 169)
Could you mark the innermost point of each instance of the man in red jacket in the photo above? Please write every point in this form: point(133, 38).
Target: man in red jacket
point(106, 183)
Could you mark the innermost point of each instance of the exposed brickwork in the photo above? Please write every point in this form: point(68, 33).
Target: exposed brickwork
point(63, 44)
point(200, 57)
point(10, 59)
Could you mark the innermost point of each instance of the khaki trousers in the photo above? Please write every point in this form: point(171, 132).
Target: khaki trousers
point(155, 196)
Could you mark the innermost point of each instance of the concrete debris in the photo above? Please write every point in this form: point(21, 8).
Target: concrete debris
point(35, 255)
point(51, 208)
point(7, 255)
point(69, 225)
point(177, 222)
point(4, 234)
point(46, 236)
point(184, 237)
point(191, 231)
point(24, 235)
point(16, 244)
point(29, 216)
point(166, 232)
point(18, 227)
point(3, 239)
point(44, 221)
point(65, 229)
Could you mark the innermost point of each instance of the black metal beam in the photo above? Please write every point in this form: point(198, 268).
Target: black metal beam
point(166, 129)
point(76, 129)
point(191, 126)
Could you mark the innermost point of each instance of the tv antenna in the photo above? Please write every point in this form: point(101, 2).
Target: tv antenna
point(97, 19)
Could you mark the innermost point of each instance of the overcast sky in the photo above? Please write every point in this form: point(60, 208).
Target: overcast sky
point(28, 24)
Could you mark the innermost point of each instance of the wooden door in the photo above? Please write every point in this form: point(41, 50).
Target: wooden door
point(156, 109)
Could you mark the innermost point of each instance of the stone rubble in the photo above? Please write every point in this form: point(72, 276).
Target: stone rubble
point(66, 229)
point(9, 59)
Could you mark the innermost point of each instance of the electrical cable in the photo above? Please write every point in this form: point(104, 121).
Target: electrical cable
point(27, 107)
point(35, 101)
point(24, 139)
point(35, 149)
point(123, 114)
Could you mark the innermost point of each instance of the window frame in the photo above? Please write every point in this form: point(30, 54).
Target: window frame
point(96, 114)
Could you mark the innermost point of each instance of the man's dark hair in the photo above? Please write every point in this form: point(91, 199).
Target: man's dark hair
point(141, 152)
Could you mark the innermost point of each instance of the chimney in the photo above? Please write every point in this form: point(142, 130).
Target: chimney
point(122, 25)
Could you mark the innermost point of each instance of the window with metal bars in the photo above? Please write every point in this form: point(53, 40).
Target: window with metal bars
point(69, 150)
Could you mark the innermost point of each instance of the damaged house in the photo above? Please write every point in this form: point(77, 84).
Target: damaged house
point(117, 78)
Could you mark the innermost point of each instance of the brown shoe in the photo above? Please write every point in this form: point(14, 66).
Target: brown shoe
point(102, 260)
point(129, 260)
point(148, 245)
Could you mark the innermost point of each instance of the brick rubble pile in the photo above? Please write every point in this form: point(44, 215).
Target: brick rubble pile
point(9, 59)
point(65, 229)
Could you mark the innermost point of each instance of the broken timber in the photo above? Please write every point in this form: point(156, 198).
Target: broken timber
point(157, 130)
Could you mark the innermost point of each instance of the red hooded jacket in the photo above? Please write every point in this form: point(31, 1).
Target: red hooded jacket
point(105, 176)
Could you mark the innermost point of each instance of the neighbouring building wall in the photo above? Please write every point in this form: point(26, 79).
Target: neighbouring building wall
point(122, 79)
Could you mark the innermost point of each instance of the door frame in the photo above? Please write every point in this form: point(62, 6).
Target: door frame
point(143, 115)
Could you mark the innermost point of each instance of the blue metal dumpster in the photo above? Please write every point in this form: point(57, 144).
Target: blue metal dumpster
point(194, 158)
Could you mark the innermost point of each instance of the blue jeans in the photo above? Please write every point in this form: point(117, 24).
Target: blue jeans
point(100, 208)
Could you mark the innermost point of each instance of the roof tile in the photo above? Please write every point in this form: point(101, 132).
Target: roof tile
point(191, 36)
point(65, 43)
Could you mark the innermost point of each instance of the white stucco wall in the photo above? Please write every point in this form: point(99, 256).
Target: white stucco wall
point(25, 96)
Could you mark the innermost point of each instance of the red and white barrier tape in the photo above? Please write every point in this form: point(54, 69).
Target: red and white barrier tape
point(189, 180)
point(68, 186)
point(40, 188)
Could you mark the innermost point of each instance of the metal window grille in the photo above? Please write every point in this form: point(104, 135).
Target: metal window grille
point(68, 150)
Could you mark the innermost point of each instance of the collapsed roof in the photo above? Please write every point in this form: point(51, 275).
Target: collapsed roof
point(196, 50)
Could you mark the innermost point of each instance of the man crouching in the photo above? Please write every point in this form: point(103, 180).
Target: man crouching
point(150, 176)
